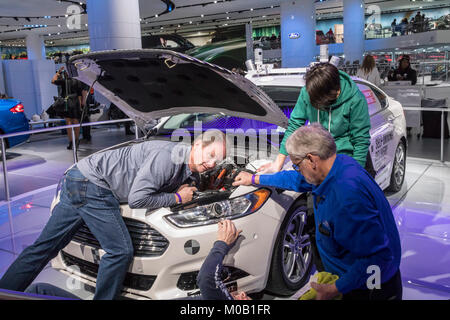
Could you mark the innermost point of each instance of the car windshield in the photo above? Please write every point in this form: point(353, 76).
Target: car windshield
point(284, 97)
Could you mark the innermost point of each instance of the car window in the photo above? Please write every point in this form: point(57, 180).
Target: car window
point(371, 98)
point(381, 97)
point(282, 96)
point(213, 121)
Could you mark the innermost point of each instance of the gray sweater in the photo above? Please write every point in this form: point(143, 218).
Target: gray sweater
point(145, 175)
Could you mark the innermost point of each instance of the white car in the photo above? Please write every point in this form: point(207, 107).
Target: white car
point(170, 244)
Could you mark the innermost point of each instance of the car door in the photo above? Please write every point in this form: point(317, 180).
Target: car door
point(381, 133)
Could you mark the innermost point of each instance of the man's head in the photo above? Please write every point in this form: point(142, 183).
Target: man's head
point(208, 149)
point(404, 62)
point(312, 150)
point(323, 85)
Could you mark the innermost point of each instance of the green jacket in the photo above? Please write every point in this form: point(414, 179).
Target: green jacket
point(349, 123)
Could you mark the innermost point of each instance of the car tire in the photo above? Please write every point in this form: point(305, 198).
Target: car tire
point(398, 168)
point(292, 257)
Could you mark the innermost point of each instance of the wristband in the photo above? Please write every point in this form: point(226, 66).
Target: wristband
point(179, 197)
point(253, 179)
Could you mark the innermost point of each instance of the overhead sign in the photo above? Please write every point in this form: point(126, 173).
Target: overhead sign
point(294, 35)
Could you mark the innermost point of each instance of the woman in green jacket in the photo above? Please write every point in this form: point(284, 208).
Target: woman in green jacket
point(331, 98)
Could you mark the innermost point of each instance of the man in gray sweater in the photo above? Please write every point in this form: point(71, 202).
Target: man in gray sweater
point(146, 175)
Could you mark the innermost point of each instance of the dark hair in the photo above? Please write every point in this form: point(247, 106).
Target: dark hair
point(368, 64)
point(322, 84)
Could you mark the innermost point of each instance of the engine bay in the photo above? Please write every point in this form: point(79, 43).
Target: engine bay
point(216, 184)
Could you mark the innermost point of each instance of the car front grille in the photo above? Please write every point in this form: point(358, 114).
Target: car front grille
point(132, 280)
point(147, 242)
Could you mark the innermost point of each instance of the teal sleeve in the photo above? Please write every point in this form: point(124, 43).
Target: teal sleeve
point(360, 129)
point(297, 119)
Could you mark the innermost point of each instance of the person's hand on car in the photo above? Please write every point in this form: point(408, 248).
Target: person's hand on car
point(243, 179)
point(270, 167)
point(273, 167)
point(186, 193)
point(227, 232)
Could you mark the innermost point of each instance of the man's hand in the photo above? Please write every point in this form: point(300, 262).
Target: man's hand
point(227, 232)
point(243, 179)
point(182, 187)
point(186, 193)
point(325, 291)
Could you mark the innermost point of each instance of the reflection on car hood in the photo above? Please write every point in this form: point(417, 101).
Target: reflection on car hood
point(148, 84)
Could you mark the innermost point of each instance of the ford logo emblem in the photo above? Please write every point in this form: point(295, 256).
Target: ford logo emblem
point(294, 35)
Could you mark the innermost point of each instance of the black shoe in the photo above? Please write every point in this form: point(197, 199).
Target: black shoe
point(69, 147)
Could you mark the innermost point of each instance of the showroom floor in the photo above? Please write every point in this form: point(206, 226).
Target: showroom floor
point(421, 210)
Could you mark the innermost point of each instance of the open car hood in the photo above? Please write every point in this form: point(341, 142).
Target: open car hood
point(148, 84)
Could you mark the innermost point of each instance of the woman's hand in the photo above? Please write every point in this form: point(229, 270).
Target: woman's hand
point(273, 167)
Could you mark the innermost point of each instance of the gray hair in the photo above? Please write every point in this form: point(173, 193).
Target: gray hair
point(312, 139)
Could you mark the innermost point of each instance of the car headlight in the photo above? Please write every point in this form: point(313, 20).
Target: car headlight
point(212, 213)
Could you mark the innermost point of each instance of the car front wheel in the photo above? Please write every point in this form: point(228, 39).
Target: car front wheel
point(292, 257)
point(398, 168)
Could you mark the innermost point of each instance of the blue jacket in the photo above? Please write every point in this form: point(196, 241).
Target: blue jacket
point(355, 227)
point(209, 277)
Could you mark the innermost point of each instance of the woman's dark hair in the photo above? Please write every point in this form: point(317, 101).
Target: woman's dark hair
point(368, 64)
point(322, 85)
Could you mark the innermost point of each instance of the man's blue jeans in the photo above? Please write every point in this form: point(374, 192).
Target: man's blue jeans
point(80, 200)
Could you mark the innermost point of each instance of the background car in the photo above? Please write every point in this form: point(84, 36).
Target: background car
point(170, 244)
point(173, 42)
point(228, 54)
point(13, 119)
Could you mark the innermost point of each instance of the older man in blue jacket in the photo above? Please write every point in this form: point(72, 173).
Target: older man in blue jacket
point(356, 234)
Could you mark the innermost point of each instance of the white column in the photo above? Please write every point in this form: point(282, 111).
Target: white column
point(298, 17)
point(35, 47)
point(354, 30)
point(114, 24)
point(249, 40)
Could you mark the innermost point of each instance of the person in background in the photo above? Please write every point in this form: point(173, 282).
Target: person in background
point(393, 27)
point(404, 72)
point(71, 91)
point(403, 26)
point(369, 71)
point(330, 36)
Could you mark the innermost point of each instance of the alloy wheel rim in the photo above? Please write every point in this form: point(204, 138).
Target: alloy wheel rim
point(296, 254)
point(399, 165)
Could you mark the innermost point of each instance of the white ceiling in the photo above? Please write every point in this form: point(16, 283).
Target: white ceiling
point(238, 13)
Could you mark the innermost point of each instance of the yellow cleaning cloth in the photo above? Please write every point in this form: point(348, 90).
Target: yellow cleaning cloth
point(321, 278)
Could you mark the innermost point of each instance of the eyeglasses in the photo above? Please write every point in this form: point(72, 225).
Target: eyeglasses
point(297, 166)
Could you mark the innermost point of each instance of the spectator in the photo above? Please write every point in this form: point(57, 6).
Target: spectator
point(330, 36)
point(403, 26)
point(404, 72)
point(393, 27)
point(369, 71)
point(273, 37)
point(71, 91)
